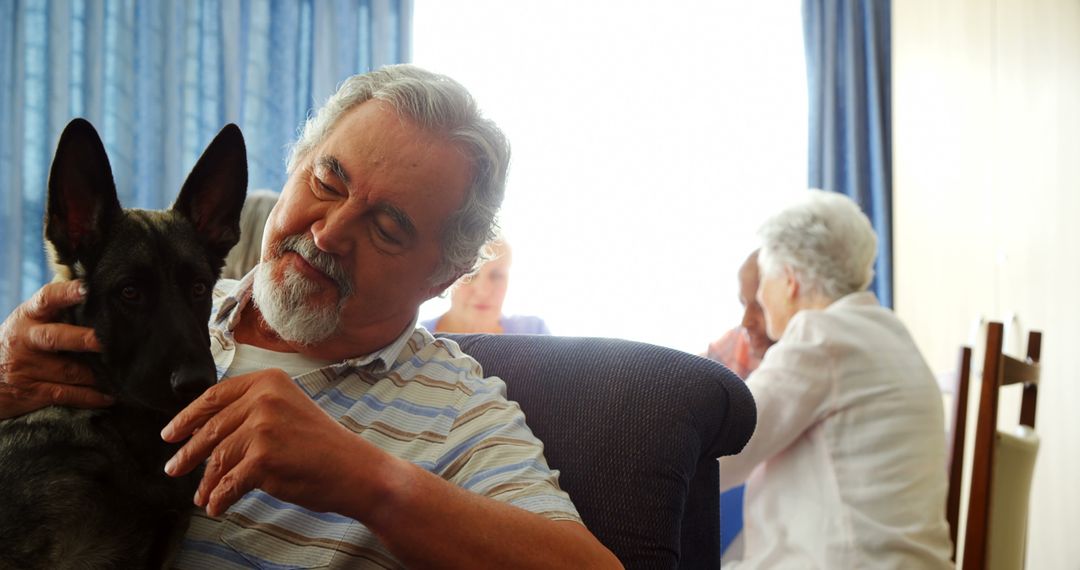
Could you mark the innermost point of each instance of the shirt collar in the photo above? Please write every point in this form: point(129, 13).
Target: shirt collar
point(857, 299)
point(385, 358)
point(227, 314)
point(232, 305)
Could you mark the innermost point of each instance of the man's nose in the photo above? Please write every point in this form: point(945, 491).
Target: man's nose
point(335, 232)
point(750, 315)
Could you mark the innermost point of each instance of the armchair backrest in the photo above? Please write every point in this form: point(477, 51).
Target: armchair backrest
point(635, 431)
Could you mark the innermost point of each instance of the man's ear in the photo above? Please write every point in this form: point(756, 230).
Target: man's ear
point(213, 194)
point(82, 202)
point(436, 290)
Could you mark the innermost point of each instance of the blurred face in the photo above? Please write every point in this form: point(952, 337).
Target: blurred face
point(776, 295)
point(350, 245)
point(479, 298)
point(753, 317)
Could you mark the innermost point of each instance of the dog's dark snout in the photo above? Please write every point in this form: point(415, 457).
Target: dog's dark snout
point(188, 383)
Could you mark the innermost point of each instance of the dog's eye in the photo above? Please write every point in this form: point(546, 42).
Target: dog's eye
point(199, 289)
point(131, 294)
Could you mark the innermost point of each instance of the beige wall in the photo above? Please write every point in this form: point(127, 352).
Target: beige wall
point(986, 118)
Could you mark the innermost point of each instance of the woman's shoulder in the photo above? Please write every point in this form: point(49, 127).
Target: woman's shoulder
point(524, 324)
point(848, 330)
point(853, 312)
point(430, 324)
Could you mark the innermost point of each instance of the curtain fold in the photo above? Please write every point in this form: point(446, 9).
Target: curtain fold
point(849, 72)
point(159, 79)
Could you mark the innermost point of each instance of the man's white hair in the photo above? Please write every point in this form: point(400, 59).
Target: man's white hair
point(444, 107)
point(826, 240)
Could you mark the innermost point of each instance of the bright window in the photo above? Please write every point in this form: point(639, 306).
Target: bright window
point(649, 142)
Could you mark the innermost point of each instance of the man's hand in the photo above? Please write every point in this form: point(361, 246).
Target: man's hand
point(259, 430)
point(32, 374)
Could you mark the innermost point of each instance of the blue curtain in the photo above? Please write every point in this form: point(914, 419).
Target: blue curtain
point(849, 74)
point(158, 79)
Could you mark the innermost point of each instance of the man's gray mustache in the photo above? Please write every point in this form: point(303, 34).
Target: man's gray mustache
point(305, 247)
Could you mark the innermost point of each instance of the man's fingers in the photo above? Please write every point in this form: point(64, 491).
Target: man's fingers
point(55, 370)
point(222, 460)
point(233, 485)
point(205, 440)
point(56, 337)
point(53, 298)
point(70, 371)
point(203, 408)
point(72, 396)
point(16, 401)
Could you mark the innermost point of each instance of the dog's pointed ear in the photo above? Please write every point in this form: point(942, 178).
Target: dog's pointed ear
point(213, 194)
point(82, 195)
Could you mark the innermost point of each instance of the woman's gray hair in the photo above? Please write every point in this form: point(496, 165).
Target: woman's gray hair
point(442, 106)
point(826, 240)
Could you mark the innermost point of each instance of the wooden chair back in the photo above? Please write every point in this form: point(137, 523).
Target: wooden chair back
point(956, 445)
point(998, 370)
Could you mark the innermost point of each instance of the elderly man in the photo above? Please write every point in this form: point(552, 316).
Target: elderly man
point(741, 348)
point(345, 436)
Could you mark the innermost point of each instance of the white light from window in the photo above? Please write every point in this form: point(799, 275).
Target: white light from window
point(650, 140)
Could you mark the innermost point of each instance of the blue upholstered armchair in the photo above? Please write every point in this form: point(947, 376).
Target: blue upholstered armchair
point(635, 430)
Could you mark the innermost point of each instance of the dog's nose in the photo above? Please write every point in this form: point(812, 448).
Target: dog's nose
point(188, 383)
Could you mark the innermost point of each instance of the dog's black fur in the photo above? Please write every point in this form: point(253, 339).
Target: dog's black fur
point(86, 488)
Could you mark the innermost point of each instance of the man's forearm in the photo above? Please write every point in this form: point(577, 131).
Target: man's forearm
point(426, 521)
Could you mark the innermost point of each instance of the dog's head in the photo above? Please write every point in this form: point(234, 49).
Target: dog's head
point(149, 274)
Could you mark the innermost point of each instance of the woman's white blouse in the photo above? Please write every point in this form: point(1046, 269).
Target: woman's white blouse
point(846, 468)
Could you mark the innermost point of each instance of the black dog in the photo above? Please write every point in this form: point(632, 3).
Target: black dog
point(82, 488)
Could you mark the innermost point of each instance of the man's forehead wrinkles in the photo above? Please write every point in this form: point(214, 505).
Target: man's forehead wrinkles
point(332, 164)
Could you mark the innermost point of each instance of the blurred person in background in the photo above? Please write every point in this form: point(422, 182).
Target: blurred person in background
point(476, 300)
point(845, 468)
point(741, 348)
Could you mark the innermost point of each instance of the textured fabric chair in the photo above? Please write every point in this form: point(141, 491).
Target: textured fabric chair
point(635, 430)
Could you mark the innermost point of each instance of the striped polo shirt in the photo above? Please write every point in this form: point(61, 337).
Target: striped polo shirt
point(420, 399)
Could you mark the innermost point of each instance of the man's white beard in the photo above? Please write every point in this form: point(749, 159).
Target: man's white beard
point(286, 307)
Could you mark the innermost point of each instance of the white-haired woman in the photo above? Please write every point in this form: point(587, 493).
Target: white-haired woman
point(846, 466)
